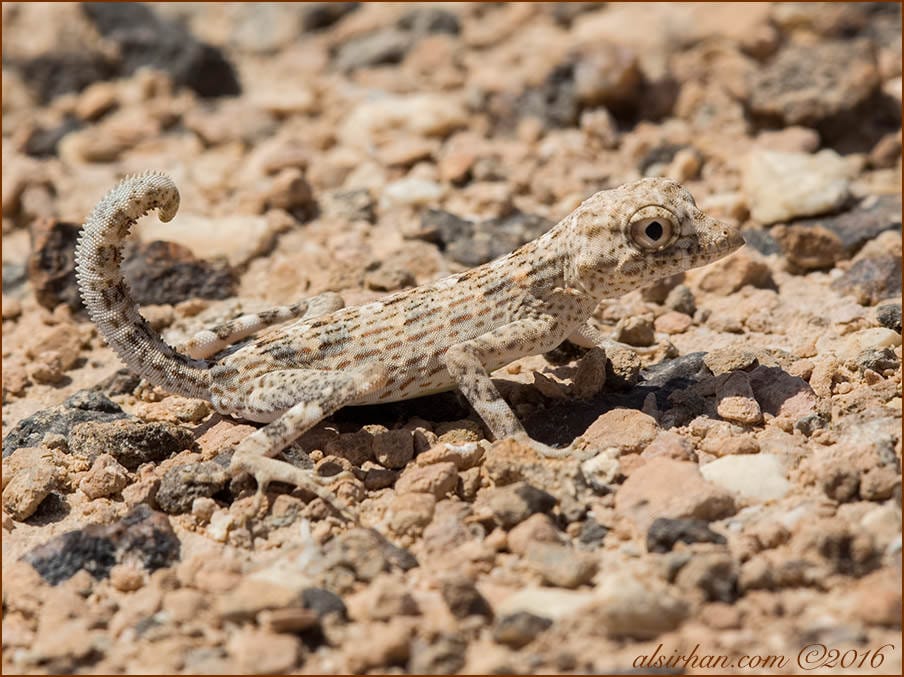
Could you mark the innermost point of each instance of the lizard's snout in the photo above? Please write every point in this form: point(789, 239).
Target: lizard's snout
point(732, 238)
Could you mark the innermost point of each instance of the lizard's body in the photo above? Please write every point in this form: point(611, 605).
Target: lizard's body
point(439, 336)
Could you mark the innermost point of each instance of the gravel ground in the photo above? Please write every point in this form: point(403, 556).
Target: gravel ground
point(743, 491)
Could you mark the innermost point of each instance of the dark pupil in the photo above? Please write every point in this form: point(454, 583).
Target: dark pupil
point(654, 230)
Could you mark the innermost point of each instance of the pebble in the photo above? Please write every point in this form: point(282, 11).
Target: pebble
point(663, 487)
point(383, 644)
point(745, 267)
point(510, 505)
point(105, 478)
point(756, 477)
point(781, 394)
point(783, 186)
point(464, 456)
point(430, 115)
point(237, 238)
point(538, 528)
point(385, 46)
point(873, 338)
point(665, 532)
point(871, 279)
point(463, 598)
point(560, 565)
point(635, 331)
point(628, 430)
point(131, 443)
point(29, 476)
point(51, 263)
point(393, 448)
point(735, 400)
point(412, 192)
point(808, 247)
point(519, 629)
point(437, 479)
point(806, 84)
point(601, 470)
point(444, 655)
point(262, 652)
point(143, 538)
point(549, 603)
point(627, 606)
point(673, 322)
point(889, 316)
point(714, 574)
point(63, 341)
point(181, 485)
point(385, 598)
point(409, 514)
point(726, 360)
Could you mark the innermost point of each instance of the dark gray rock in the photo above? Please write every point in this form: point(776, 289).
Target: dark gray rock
point(872, 279)
point(165, 272)
point(889, 316)
point(519, 629)
point(463, 598)
point(665, 532)
point(316, 16)
point(144, 39)
point(857, 226)
point(129, 442)
point(81, 407)
point(51, 263)
point(43, 142)
point(514, 503)
point(143, 536)
point(323, 602)
point(181, 485)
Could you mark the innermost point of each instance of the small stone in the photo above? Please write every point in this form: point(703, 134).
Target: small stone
point(662, 487)
point(63, 342)
point(412, 192)
point(464, 456)
point(807, 84)
point(713, 573)
point(383, 644)
point(263, 652)
point(291, 620)
point(757, 477)
point(782, 186)
point(809, 247)
point(560, 565)
point(389, 278)
point(519, 629)
point(591, 374)
point(288, 190)
point(131, 443)
point(601, 470)
point(628, 430)
point(681, 299)
point(735, 400)
point(627, 606)
point(29, 476)
point(349, 205)
point(879, 484)
point(664, 533)
point(789, 140)
point(444, 655)
point(592, 533)
point(877, 598)
point(670, 445)
point(728, 275)
point(51, 263)
point(889, 316)
point(183, 484)
point(143, 537)
point(871, 339)
point(105, 478)
point(673, 322)
point(96, 100)
point(385, 46)
point(609, 76)
point(725, 360)
point(393, 448)
point(385, 598)
point(409, 514)
point(463, 598)
point(635, 331)
point(512, 504)
point(437, 479)
point(538, 528)
point(126, 578)
point(251, 596)
point(871, 279)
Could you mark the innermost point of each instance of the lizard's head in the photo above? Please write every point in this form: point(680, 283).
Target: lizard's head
point(641, 232)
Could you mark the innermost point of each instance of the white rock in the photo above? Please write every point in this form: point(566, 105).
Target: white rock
point(238, 238)
point(760, 477)
point(412, 191)
point(780, 186)
point(547, 602)
point(420, 114)
point(603, 467)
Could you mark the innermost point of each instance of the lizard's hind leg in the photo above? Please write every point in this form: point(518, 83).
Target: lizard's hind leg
point(307, 396)
point(209, 342)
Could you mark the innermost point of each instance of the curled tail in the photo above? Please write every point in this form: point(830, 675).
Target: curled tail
point(98, 258)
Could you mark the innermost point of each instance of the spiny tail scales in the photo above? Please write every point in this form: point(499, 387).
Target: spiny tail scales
point(107, 296)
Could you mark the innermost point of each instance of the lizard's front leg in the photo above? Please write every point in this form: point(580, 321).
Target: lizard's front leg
point(466, 363)
point(588, 336)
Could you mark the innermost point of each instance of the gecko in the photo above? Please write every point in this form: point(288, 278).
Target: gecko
point(312, 358)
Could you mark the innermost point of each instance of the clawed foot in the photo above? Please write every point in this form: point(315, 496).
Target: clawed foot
point(265, 470)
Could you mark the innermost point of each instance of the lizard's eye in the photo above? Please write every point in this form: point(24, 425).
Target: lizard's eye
point(651, 229)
